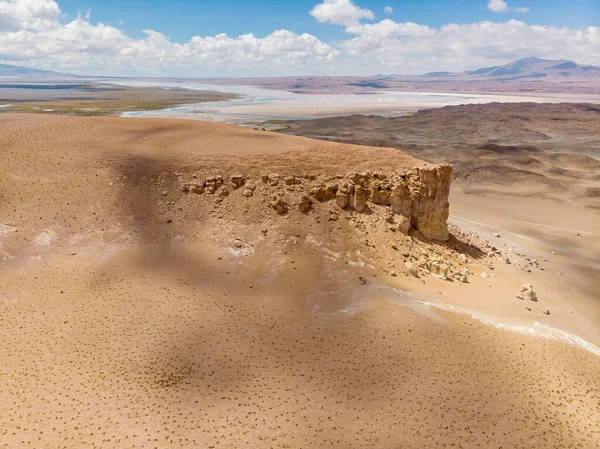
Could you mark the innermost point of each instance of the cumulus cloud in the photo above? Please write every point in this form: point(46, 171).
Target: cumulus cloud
point(28, 14)
point(388, 10)
point(411, 48)
point(31, 31)
point(340, 12)
point(502, 6)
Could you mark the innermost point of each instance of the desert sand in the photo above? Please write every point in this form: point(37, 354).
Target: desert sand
point(138, 311)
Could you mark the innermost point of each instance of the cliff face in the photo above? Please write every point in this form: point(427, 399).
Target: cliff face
point(429, 201)
point(416, 197)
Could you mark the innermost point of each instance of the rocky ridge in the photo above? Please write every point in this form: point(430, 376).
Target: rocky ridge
point(415, 198)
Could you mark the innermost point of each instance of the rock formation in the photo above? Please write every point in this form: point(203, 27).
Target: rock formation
point(417, 198)
point(527, 292)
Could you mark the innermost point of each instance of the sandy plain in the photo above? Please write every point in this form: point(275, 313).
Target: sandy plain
point(83, 98)
point(134, 315)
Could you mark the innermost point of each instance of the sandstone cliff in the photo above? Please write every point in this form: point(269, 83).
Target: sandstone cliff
point(416, 198)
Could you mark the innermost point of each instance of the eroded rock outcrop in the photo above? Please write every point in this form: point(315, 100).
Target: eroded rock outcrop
point(416, 198)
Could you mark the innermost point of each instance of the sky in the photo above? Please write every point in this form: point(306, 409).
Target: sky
point(235, 38)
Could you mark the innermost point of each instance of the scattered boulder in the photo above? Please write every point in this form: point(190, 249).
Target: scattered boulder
point(237, 181)
point(279, 205)
point(439, 267)
point(462, 278)
point(273, 179)
point(527, 292)
point(403, 224)
point(412, 269)
point(305, 204)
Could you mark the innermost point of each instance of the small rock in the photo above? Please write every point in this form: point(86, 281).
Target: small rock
point(403, 224)
point(527, 292)
point(237, 181)
point(496, 235)
point(280, 206)
point(546, 311)
point(362, 280)
point(462, 278)
point(412, 269)
point(305, 204)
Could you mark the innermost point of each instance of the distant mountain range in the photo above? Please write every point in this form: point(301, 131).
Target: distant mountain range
point(526, 68)
point(25, 72)
point(522, 69)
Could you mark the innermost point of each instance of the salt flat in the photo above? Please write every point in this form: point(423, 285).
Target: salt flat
point(258, 104)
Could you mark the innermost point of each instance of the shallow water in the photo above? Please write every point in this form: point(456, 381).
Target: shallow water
point(257, 104)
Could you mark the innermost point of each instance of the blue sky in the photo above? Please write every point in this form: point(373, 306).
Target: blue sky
point(301, 37)
point(183, 19)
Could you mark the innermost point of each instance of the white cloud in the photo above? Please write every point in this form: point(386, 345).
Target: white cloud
point(28, 14)
point(388, 10)
point(31, 32)
point(388, 46)
point(497, 6)
point(340, 12)
point(388, 28)
point(502, 6)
